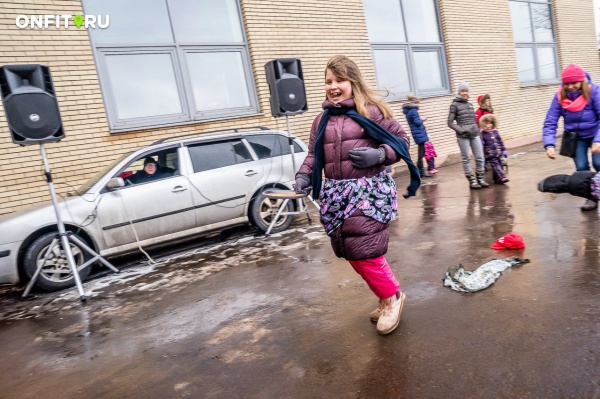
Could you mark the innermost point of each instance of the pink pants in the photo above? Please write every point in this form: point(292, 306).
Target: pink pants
point(378, 275)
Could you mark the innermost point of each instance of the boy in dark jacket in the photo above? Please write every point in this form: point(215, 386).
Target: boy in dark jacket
point(493, 147)
point(417, 129)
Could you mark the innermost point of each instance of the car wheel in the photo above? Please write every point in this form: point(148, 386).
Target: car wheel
point(263, 211)
point(56, 273)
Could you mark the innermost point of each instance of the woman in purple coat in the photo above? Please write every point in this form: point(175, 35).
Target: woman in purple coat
point(353, 140)
point(578, 102)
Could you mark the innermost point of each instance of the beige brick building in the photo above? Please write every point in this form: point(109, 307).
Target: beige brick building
point(483, 43)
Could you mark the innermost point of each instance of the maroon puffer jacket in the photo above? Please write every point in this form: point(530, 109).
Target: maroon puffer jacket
point(359, 237)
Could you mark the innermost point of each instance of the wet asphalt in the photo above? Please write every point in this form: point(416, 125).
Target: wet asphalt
point(281, 317)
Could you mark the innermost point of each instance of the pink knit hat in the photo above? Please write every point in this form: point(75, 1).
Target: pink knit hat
point(573, 73)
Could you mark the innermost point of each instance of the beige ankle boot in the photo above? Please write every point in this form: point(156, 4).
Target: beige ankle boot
point(389, 317)
point(377, 312)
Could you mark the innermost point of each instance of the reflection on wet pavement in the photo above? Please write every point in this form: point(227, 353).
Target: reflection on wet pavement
point(281, 317)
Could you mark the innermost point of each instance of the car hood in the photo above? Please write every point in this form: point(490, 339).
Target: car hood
point(16, 226)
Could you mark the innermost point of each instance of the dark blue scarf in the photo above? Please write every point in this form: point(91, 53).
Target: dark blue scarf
point(373, 130)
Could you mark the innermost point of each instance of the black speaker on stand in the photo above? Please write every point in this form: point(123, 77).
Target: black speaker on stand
point(33, 118)
point(30, 104)
point(286, 84)
point(288, 96)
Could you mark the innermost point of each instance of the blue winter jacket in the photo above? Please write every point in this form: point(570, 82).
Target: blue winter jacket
point(415, 123)
point(585, 122)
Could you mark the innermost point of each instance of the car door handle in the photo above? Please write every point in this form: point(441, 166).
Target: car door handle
point(178, 189)
point(251, 173)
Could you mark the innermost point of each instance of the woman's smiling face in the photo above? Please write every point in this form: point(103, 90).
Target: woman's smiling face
point(336, 89)
point(572, 87)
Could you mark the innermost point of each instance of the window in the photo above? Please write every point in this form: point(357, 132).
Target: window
point(166, 166)
point(407, 46)
point(271, 145)
point(164, 62)
point(218, 155)
point(535, 41)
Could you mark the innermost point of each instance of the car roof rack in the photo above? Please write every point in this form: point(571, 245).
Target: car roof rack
point(232, 130)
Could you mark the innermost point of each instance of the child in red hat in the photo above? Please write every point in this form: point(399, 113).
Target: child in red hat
point(485, 106)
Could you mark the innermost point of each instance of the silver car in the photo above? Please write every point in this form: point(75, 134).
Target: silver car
point(201, 184)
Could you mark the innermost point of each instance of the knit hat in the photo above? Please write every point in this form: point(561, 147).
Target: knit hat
point(150, 160)
point(573, 73)
point(412, 98)
point(509, 241)
point(482, 98)
point(463, 86)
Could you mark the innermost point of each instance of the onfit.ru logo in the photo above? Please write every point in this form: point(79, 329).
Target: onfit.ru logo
point(62, 21)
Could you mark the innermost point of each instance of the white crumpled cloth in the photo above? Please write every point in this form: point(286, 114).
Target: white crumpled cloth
point(485, 275)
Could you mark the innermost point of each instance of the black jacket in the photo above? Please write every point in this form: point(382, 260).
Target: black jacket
point(461, 118)
point(142, 177)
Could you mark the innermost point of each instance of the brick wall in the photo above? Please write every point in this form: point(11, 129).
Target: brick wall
point(479, 49)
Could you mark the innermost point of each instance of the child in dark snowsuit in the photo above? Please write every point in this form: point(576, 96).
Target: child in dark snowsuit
point(583, 184)
point(493, 147)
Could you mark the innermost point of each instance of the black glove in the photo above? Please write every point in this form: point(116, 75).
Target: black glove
point(365, 157)
point(302, 183)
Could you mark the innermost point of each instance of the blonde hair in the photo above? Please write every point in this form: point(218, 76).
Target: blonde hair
point(586, 91)
point(412, 98)
point(346, 69)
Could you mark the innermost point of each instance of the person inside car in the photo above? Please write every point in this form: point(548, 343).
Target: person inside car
point(150, 172)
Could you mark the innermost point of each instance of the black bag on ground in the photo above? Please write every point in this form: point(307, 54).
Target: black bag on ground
point(568, 145)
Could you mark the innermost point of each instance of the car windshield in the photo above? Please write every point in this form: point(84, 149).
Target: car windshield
point(87, 185)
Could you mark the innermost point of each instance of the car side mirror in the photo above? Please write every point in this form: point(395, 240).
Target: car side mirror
point(115, 183)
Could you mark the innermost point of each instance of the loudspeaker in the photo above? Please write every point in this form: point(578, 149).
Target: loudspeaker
point(30, 104)
point(286, 84)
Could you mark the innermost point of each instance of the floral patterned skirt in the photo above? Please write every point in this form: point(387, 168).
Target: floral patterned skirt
point(375, 196)
point(595, 186)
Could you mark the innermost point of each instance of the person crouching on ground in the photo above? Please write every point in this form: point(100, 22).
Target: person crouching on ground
point(493, 147)
point(353, 140)
point(417, 130)
point(461, 119)
point(578, 102)
point(585, 184)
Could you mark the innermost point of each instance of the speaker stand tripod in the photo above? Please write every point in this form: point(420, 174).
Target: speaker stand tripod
point(289, 195)
point(289, 131)
point(62, 240)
